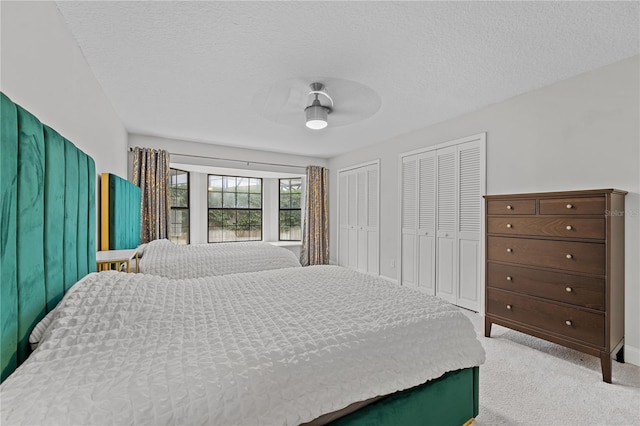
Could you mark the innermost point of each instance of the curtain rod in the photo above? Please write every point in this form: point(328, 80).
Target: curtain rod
point(231, 159)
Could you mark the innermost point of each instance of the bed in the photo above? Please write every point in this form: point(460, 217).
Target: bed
point(120, 229)
point(273, 347)
point(282, 346)
point(166, 259)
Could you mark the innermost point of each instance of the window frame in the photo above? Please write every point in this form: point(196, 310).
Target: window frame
point(280, 209)
point(188, 208)
point(236, 209)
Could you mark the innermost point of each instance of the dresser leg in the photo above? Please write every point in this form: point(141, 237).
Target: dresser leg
point(605, 362)
point(487, 327)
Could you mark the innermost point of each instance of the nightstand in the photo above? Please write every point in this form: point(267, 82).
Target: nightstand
point(105, 259)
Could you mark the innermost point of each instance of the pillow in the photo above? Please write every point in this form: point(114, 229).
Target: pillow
point(39, 329)
point(141, 248)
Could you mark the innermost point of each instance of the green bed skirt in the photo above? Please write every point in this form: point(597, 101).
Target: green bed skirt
point(451, 399)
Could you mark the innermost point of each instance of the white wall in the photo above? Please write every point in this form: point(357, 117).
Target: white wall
point(580, 133)
point(44, 71)
point(239, 158)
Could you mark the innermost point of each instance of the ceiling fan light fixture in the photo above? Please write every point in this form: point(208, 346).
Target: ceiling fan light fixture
point(316, 116)
point(316, 113)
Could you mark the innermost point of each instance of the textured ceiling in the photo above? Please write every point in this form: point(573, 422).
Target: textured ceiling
point(190, 70)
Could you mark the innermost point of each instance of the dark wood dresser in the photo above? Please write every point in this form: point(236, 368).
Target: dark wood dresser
point(555, 268)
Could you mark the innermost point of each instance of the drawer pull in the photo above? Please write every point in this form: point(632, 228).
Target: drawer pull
point(509, 207)
point(569, 206)
point(509, 307)
point(508, 225)
point(569, 256)
point(568, 322)
point(509, 250)
point(569, 289)
point(509, 278)
point(569, 227)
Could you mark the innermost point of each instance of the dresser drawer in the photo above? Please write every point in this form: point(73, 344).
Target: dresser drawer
point(574, 289)
point(570, 256)
point(548, 226)
point(568, 206)
point(511, 207)
point(553, 317)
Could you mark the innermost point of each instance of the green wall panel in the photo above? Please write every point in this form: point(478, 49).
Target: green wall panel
point(91, 248)
point(8, 240)
point(30, 246)
point(83, 216)
point(54, 216)
point(70, 216)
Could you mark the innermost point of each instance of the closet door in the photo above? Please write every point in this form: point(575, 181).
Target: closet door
point(361, 223)
point(352, 220)
point(446, 223)
point(343, 214)
point(426, 232)
point(373, 213)
point(470, 188)
point(441, 221)
point(358, 218)
point(409, 218)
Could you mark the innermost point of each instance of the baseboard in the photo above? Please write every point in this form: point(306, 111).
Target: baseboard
point(631, 355)
point(393, 280)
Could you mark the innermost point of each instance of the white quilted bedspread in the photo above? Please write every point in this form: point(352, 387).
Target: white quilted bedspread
point(275, 347)
point(164, 258)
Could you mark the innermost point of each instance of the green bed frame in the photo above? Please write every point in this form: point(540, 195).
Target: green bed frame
point(451, 399)
point(48, 234)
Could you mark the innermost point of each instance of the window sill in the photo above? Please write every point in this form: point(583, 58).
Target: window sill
point(285, 243)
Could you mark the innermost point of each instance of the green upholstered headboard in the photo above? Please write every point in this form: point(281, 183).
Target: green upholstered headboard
point(120, 213)
point(47, 239)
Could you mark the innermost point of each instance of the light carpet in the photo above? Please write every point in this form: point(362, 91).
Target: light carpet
point(528, 381)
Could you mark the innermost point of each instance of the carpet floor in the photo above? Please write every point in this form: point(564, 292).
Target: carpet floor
point(528, 381)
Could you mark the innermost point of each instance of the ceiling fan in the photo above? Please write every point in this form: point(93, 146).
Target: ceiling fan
point(317, 113)
point(301, 101)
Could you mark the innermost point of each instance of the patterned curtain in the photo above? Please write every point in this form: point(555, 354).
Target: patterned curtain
point(315, 234)
point(151, 174)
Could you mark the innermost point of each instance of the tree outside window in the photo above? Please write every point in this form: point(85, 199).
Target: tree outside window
point(290, 217)
point(179, 201)
point(234, 209)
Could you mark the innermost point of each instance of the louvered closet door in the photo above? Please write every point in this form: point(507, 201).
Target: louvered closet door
point(426, 234)
point(470, 190)
point(409, 218)
point(440, 213)
point(446, 223)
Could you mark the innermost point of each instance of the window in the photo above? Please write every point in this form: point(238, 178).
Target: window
point(290, 214)
point(179, 200)
point(235, 209)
